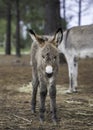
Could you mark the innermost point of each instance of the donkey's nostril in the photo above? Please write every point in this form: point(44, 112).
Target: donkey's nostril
point(49, 75)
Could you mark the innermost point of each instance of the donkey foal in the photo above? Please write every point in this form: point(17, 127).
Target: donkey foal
point(45, 62)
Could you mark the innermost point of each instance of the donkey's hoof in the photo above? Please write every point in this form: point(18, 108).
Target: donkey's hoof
point(75, 91)
point(55, 121)
point(41, 118)
point(41, 121)
point(68, 91)
point(33, 111)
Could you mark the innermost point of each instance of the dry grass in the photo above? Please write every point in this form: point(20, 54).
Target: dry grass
point(75, 111)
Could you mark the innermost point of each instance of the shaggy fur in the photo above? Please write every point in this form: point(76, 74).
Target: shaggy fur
point(45, 63)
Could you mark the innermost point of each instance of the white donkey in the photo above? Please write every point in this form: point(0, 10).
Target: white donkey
point(77, 43)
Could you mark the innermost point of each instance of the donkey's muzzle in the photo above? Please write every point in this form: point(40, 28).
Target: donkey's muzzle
point(49, 75)
point(49, 71)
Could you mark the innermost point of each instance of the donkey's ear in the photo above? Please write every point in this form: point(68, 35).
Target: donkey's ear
point(35, 37)
point(32, 34)
point(58, 36)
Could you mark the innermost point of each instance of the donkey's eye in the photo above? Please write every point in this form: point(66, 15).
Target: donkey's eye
point(43, 56)
point(55, 57)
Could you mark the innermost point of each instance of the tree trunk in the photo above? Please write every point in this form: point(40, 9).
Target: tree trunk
point(53, 19)
point(52, 16)
point(17, 29)
point(8, 33)
point(79, 13)
point(64, 9)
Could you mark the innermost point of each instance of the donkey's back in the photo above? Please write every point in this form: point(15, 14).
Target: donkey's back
point(80, 39)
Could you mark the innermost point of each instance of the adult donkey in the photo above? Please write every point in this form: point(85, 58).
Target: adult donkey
point(45, 62)
point(77, 43)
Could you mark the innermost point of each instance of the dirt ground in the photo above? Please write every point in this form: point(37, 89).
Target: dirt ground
point(75, 111)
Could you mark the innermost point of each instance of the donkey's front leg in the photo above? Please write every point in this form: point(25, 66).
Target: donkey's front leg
point(35, 84)
point(43, 93)
point(52, 93)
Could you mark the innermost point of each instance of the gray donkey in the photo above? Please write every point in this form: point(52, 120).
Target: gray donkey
point(45, 63)
point(77, 43)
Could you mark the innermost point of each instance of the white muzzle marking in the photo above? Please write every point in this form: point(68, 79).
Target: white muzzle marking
point(49, 69)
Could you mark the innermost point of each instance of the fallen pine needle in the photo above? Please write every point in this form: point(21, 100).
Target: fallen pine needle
point(30, 121)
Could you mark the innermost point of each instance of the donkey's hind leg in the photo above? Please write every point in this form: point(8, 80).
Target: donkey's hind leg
point(73, 72)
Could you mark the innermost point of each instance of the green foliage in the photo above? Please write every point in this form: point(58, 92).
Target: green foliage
point(64, 24)
point(2, 9)
point(31, 12)
point(2, 29)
